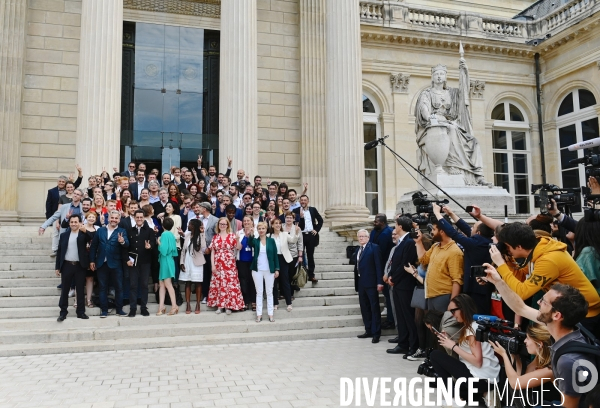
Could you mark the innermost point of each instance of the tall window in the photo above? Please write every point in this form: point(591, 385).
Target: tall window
point(512, 158)
point(577, 121)
point(372, 131)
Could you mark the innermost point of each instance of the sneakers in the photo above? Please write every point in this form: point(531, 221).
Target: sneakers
point(103, 315)
point(203, 301)
point(120, 313)
point(418, 355)
point(53, 254)
point(71, 292)
point(384, 312)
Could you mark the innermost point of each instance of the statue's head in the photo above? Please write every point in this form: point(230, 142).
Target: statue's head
point(438, 75)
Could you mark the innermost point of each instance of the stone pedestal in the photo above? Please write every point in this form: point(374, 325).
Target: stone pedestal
point(345, 140)
point(99, 92)
point(238, 97)
point(12, 55)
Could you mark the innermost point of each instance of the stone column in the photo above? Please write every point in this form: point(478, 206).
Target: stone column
point(238, 97)
point(312, 100)
point(99, 93)
point(345, 139)
point(12, 54)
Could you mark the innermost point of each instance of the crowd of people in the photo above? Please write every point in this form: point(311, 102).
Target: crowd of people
point(541, 277)
point(233, 242)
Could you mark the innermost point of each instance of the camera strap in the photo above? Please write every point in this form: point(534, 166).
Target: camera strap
point(527, 260)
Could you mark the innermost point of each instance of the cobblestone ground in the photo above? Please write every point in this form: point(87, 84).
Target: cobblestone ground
point(271, 375)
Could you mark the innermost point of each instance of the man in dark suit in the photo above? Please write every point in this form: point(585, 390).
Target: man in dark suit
point(107, 254)
point(382, 236)
point(136, 188)
point(130, 170)
point(402, 286)
point(368, 278)
point(476, 247)
point(71, 263)
point(313, 222)
point(142, 248)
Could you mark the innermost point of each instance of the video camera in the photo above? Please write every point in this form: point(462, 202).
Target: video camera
point(424, 205)
point(426, 368)
point(592, 161)
point(564, 197)
point(492, 328)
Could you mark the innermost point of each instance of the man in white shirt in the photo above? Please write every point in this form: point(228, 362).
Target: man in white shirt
point(313, 222)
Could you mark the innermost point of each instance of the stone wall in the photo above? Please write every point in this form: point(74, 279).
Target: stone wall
point(49, 119)
point(279, 91)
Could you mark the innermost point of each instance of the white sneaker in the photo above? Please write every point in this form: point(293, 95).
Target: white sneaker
point(203, 301)
point(384, 312)
point(71, 292)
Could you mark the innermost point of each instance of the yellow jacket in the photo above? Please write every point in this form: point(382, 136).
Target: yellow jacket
point(552, 263)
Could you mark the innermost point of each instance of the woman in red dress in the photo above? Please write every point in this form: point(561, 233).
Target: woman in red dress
point(224, 292)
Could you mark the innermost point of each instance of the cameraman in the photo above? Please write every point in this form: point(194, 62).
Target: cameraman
point(561, 308)
point(475, 242)
point(566, 221)
point(549, 262)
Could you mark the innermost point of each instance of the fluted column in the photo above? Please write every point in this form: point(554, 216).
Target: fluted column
point(99, 93)
point(12, 54)
point(238, 98)
point(345, 139)
point(313, 66)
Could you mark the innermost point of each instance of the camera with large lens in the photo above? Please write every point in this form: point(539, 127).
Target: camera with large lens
point(564, 197)
point(424, 205)
point(501, 332)
point(426, 368)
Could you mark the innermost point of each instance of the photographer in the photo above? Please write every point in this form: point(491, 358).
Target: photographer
point(475, 242)
point(561, 309)
point(444, 262)
point(476, 359)
point(548, 261)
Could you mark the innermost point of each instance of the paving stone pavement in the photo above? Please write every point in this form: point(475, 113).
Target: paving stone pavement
point(270, 375)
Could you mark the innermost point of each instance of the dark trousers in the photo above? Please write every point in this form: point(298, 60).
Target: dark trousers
point(138, 281)
point(405, 319)
point(72, 273)
point(282, 283)
point(447, 367)
point(206, 275)
point(439, 303)
point(246, 281)
point(388, 303)
point(369, 308)
point(115, 276)
point(422, 330)
point(310, 241)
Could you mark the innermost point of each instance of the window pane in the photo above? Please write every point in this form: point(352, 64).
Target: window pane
point(515, 114)
point(521, 185)
point(370, 181)
point(565, 156)
point(518, 141)
point(567, 136)
point(586, 99)
point(570, 178)
point(499, 139)
point(522, 205)
point(372, 203)
point(498, 112)
point(370, 132)
point(500, 163)
point(589, 129)
point(501, 180)
point(566, 105)
point(368, 105)
point(520, 163)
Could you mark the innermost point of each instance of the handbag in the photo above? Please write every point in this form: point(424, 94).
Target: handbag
point(418, 298)
point(300, 277)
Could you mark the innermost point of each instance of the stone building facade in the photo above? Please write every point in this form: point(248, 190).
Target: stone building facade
point(290, 80)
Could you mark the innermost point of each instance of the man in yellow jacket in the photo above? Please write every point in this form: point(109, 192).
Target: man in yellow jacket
point(548, 262)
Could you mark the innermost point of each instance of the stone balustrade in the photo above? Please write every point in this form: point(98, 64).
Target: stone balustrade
point(503, 27)
point(371, 11)
point(568, 12)
point(432, 19)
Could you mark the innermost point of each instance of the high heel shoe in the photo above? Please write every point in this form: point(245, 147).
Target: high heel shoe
point(161, 312)
point(174, 310)
point(188, 309)
point(197, 308)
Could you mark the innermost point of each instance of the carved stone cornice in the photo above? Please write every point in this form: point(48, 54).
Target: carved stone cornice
point(476, 88)
point(200, 8)
point(399, 82)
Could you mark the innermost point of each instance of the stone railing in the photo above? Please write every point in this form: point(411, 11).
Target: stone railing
point(397, 14)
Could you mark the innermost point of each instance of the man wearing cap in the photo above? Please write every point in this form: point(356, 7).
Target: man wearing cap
point(210, 223)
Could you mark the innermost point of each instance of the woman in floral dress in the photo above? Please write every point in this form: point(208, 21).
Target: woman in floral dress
point(225, 292)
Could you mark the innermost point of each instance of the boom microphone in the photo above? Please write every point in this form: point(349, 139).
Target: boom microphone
point(374, 143)
point(585, 145)
point(491, 319)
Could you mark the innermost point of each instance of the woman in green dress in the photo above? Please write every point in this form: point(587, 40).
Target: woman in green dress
point(167, 250)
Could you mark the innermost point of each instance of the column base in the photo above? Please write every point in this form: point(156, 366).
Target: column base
point(9, 218)
point(341, 215)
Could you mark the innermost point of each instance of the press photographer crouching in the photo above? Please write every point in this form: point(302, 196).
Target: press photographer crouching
point(475, 359)
point(548, 262)
point(560, 309)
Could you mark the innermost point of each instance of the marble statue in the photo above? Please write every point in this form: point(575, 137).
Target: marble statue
point(444, 131)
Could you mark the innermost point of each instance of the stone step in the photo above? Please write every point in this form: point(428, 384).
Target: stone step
point(18, 266)
point(23, 259)
point(25, 252)
point(15, 241)
point(181, 341)
point(47, 246)
point(316, 291)
point(334, 283)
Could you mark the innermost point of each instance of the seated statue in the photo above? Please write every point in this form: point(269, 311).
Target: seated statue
point(444, 131)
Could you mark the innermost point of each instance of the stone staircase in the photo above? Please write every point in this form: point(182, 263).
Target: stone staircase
point(29, 308)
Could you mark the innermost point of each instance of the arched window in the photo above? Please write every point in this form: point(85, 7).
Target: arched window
point(372, 131)
point(512, 157)
point(577, 121)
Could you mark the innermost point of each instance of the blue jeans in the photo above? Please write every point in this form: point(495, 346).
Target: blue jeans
point(114, 276)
